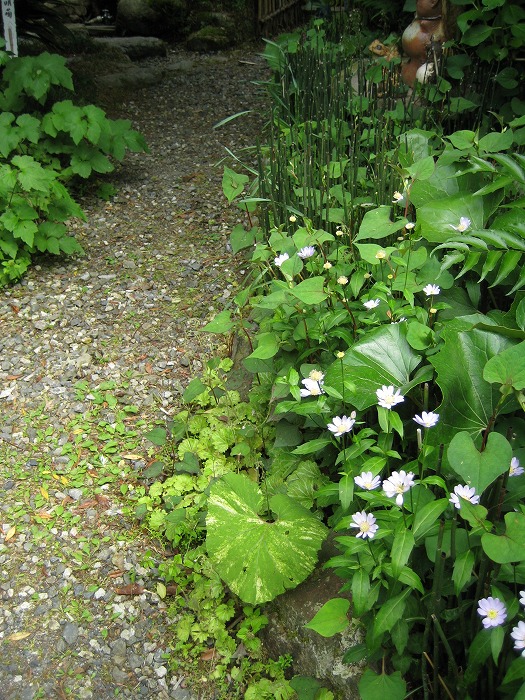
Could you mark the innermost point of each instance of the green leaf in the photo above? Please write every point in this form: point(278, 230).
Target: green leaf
point(462, 572)
point(382, 357)
point(479, 469)
point(157, 436)
point(222, 323)
point(510, 547)
point(331, 619)
point(376, 224)
point(267, 346)
point(310, 291)
point(259, 559)
point(240, 238)
point(427, 516)
point(154, 470)
point(374, 686)
point(390, 612)
point(346, 491)
point(507, 368)
point(233, 183)
point(497, 637)
point(402, 547)
point(195, 388)
point(360, 591)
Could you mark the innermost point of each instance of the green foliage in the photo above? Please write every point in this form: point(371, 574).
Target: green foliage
point(44, 147)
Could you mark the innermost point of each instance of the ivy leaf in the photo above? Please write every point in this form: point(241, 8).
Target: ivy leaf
point(259, 559)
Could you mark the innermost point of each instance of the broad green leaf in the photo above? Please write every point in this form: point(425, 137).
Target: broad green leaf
point(360, 591)
point(267, 346)
point(468, 400)
point(422, 169)
point(311, 291)
point(259, 559)
point(427, 517)
point(479, 652)
point(332, 618)
point(377, 224)
point(509, 547)
point(374, 686)
point(507, 368)
point(497, 637)
point(240, 238)
point(233, 183)
point(479, 469)
point(346, 491)
point(195, 388)
point(382, 357)
point(157, 436)
point(438, 218)
point(516, 671)
point(222, 323)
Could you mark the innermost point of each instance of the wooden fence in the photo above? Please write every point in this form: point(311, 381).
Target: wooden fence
point(274, 16)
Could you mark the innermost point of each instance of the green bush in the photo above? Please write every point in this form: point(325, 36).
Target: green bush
point(45, 147)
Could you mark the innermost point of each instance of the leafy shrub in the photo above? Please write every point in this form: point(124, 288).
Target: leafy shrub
point(44, 147)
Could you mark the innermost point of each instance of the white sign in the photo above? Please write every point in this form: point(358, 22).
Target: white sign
point(8, 16)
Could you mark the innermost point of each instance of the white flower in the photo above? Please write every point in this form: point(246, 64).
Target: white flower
point(306, 252)
point(398, 198)
point(522, 597)
point(410, 225)
point(493, 612)
point(463, 225)
point(515, 469)
point(371, 304)
point(366, 524)
point(342, 424)
point(340, 354)
point(518, 634)
point(292, 218)
point(327, 265)
point(427, 420)
point(342, 280)
point(431, 289)
point(380, 255)
point(311, 387)
point(467, 493)
point(367, 481)
point(388, 396)
point(398, 484)
point(339, 232)
point(280, 259)
point(316, 375)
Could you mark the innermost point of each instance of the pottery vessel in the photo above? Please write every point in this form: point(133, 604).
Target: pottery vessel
point(424, 36)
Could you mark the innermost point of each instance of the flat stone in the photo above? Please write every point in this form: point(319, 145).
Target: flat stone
point(70, 632)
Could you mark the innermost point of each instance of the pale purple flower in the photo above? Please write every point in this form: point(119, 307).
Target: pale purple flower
point(398, 484)
point(463, 225)
point(522, 597)
point(368, 482)
point(388, 396)
point(427, 420)
point(431, 290)
point(518, 635)
point(311, 388)
point(306, 252)
point(493, 612)
point(467, 493)
point(342, 424)
point(371, 304)
point(366, 524)
point(515, 469)
point(280, 259)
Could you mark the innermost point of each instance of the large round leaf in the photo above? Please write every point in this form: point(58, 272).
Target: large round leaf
point(258, 559)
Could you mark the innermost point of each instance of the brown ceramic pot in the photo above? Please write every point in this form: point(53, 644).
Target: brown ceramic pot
point(426, 28)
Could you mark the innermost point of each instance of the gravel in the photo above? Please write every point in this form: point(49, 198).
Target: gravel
point(157, 268)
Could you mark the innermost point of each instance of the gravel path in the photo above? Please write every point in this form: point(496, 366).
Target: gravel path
point(93, 351)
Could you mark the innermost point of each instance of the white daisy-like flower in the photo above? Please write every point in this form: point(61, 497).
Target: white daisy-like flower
point(342, 280)
point(427, 420)
point(342, 424)
point(340, 354)
point(398, 484)
point(493, 612)
point(410, 225)
point(339, 232)
point(371, 304)
point(306, 252)
point(467, 493)
point(522, 598)
point(368, 482)
point(518, 635)
point(389, 396)
point(463, 225)
point(316, 375)
point(431, 290)
point(327, 265)
point(380, 255)
point(515, 469)
point(398, 197)
point(366, 523)
point(311, 388)
point(292, 218)
point(280, 259)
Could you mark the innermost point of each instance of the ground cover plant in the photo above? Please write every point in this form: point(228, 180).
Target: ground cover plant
point(47, 144)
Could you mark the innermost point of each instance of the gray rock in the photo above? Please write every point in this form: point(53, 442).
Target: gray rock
point(70, 632)
point(136, 47)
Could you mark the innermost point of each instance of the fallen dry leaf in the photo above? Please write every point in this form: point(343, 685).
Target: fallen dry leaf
point(149, 368)
point(172, 589)
point(17, 636)
point(131, 456)
point(116, 574)
point(130, 589)
point(12, 376)
point(209, 654)
point(10, 533)
point(102, 500)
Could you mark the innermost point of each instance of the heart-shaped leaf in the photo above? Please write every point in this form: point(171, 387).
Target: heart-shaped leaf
point(479, 469)
point(507, 368)
point(259, 559)
point(331, 618)
point(510, 547)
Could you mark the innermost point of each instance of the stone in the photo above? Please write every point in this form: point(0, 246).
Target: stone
point(143, 17)
point(135, 47)
point(70, 633)
point(209, 38)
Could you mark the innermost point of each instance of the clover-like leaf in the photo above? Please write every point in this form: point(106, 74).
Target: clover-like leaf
point(259, 559)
